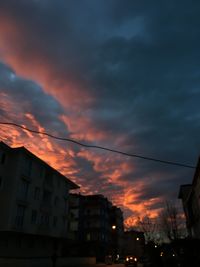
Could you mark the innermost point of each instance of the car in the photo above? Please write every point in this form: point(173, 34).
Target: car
point(131, 260)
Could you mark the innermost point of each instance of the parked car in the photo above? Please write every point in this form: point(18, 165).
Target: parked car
point(131, 260)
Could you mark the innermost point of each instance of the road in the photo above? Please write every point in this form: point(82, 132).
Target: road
point(115, 265)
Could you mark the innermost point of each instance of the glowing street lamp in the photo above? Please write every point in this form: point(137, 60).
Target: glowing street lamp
point(113, 227)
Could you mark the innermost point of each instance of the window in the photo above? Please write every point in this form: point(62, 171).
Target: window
point(1, 182)
point(47, 197)
point(2, 157)
point(55, 219)
point(19, 219)
point(31, 242)
point(37, 193)
point(19, 242)
point(44, 219)
point(34, 217)
point(27, 166)
point(88, 212)
point(23, 189)
point(48, 177)
point(56, 201)
point(3, 242)
point(65, 205)
point(88, 237)
point(58, 181)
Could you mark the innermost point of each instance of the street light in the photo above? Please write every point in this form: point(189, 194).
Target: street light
point(113, 227)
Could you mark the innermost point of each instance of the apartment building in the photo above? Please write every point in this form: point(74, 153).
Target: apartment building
point(34, 205)
point(117, 234)
point(96, 225)
point(190, 195)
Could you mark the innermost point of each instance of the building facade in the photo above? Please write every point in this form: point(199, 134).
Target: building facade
point(134, 243)
point(117, 235)
point(34, 204)
point(97, 226)
point(190, 195)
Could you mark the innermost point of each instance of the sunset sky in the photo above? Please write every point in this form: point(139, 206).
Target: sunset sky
point(113, 73)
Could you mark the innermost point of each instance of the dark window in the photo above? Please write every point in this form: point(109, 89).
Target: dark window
point(27, 166)
point(23, 189)
point(58, 181)
point(47, 197)
point(3, 158)
point(37, 193)
point(19, 219)
point(48, 177)
point(3, 242)
point(65, 205)
point(31, 242)
point(56, 201)
point(1, 182)
point(34, 217)
point(44, 219)
point(19, 242)
point(55, 219)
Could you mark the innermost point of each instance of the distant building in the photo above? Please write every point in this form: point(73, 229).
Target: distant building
point(190, 195)
point(117, 236)
point(134, 243)
point(99, 226)
point(34, 202)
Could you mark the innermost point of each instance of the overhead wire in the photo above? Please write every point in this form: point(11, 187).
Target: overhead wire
point(98, 147)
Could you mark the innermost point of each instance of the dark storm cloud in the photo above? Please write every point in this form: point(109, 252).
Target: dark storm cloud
point(30, 98)
point(140, 60)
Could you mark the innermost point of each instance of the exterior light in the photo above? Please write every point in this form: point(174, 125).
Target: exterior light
point(113, 227)
point(155, 246)
point(137, 238)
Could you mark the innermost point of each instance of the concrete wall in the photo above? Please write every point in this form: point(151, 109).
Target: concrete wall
point(41, 262)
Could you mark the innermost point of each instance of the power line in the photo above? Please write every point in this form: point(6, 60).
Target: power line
point(98, 147)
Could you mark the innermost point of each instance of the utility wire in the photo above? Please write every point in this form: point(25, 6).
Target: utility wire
point(98, 147)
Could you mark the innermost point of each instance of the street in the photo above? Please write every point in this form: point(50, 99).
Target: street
point(115, 265)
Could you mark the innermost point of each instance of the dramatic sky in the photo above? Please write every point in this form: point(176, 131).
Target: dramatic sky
point(113, 73)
